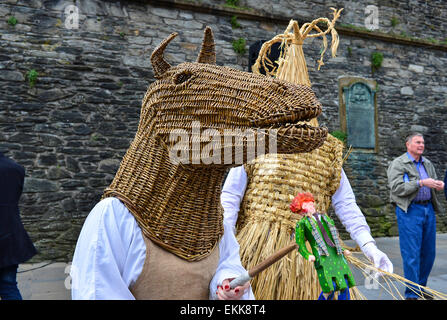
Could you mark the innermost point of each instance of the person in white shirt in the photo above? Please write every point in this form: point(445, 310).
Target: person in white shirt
point(116, 253)
point(111, 252)
point(343, 203)
point(261, 193)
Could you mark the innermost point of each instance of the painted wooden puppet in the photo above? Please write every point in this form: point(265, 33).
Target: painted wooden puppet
point(327, 254)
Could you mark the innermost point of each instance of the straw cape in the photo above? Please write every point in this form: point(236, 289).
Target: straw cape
point(266, 223)
point(176, 199)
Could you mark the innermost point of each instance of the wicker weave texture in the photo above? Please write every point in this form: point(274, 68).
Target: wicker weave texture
point(193, 92)
point(177, 205)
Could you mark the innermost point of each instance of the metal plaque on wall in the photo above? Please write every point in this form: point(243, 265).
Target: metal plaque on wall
point(358, 112)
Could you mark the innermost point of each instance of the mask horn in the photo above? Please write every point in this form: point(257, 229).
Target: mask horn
point(159, 64)
point(207, 52)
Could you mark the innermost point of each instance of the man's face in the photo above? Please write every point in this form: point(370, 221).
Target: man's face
point(416, 146)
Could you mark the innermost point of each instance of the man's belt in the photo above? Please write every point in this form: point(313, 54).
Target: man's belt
point(423, 202)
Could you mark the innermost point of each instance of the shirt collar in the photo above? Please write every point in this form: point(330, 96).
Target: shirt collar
point(413, 160)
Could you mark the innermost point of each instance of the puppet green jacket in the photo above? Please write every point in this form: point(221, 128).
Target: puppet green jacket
point(332, 269)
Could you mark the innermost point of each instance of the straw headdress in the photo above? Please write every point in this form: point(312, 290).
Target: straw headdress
point(175, 199)
point(266, 223)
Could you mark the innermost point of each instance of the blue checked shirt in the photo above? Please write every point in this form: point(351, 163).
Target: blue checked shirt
point(424, 192)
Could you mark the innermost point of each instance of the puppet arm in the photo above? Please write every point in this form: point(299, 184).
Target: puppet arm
point(300, 239)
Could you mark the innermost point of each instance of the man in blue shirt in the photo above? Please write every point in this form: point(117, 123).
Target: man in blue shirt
point(413, 184)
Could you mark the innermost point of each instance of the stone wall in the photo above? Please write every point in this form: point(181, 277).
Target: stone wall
point(71, 129)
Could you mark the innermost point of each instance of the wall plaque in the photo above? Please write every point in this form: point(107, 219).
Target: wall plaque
point(358, 112)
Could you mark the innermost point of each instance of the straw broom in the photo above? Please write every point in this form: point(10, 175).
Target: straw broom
point(366, 267)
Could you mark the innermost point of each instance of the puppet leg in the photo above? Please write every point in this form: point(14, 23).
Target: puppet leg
point(344, 295)
point(325, 296)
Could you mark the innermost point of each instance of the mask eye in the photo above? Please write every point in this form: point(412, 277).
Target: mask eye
point(182, 77)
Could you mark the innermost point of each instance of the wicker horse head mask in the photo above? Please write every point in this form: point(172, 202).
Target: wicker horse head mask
point(176, 201)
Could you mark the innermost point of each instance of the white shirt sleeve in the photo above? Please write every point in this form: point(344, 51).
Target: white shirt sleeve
point(229, 259)
point(229, 263)
point(109, 254)
point(232, 194)
point(350, 215)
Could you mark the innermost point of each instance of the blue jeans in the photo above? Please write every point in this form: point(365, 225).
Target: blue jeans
point(8, 283)
point(417, 240)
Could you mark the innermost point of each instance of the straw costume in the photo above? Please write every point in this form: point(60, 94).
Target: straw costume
point(256, 196)
point(265, 224)
point(175, 199)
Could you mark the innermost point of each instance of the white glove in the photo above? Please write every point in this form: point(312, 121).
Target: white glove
point(380, 259)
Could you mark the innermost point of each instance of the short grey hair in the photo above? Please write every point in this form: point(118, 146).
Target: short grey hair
point(413, 134)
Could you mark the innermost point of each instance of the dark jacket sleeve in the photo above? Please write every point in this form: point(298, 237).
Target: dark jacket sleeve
point(445, 185)
point(15, 245)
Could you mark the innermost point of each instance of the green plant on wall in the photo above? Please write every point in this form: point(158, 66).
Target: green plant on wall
point(353, 27)
point(349, 52)
point(239, 46)
point(340, 135)
point(234, 23)
point(12, 21)
point(31, 76)
point(232, 3)
point(384, 225)
point(376, 61)
point(394, 21)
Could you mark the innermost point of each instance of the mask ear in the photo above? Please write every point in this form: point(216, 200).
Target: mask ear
point(158, 61)
point(207, 51)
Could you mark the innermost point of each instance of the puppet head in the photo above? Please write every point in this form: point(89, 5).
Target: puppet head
point(299, 203)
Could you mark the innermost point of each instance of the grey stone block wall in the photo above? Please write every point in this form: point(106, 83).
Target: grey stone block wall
point(71, 129)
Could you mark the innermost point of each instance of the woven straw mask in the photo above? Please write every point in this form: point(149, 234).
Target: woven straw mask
point(177, 204)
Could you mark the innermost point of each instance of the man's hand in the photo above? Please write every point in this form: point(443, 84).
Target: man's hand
point(224, 292)
point(440, 185)
point(432, 183)
point(380, 259)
